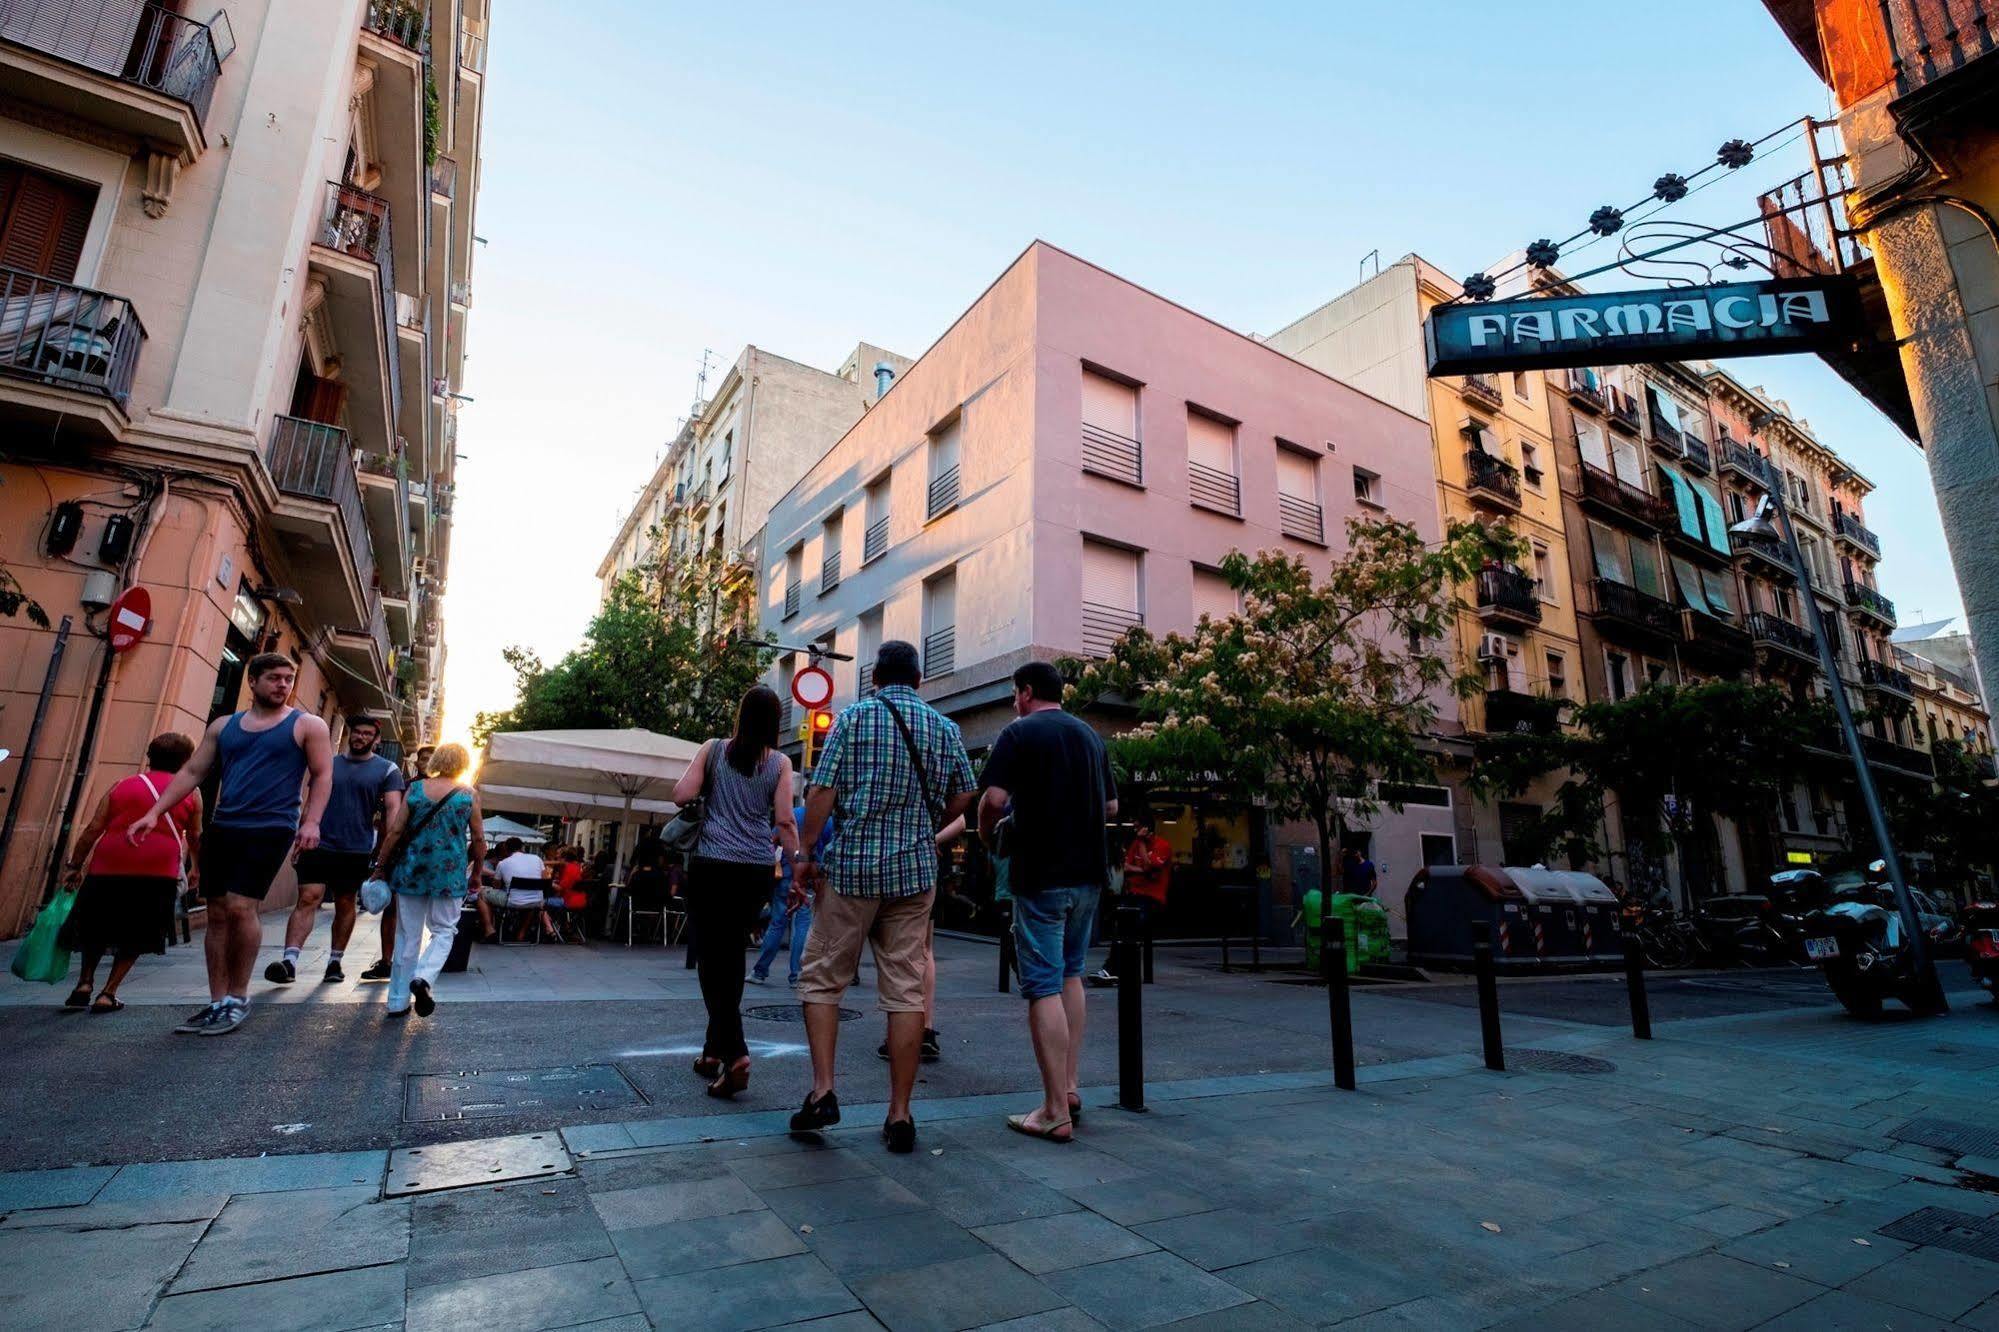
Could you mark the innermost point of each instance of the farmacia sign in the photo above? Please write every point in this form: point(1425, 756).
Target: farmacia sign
point(1621, 327)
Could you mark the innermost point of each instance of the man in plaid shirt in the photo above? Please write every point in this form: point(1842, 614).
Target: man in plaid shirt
point(879, 876)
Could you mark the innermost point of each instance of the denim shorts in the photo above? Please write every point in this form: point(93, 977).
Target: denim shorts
point(1051, 937)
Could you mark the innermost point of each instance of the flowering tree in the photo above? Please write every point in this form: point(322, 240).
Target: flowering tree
point(1317, 696)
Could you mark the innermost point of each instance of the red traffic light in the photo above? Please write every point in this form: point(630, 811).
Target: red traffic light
point(822, 721)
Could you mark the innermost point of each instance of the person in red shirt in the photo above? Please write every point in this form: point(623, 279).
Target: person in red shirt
point(125, 905)
point(1148, 866)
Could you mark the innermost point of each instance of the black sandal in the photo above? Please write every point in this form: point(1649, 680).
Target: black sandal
point(78, 998)
point(708, 1067)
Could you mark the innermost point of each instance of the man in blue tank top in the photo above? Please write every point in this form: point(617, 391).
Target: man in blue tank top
point(263, 756)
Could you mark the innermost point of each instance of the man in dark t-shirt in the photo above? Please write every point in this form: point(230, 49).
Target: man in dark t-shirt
point(1052, 769)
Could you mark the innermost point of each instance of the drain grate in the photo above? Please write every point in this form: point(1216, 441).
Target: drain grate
point(791, 1013)
point(497, 1092)
point(1960, 1232)
point(1949, 1135)
point(1557, 1061)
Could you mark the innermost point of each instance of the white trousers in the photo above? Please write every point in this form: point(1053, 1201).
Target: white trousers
point(416, 958)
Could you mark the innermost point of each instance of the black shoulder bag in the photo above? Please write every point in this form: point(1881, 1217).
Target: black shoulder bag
point(682, 832)
point(409, 834)
point(915, 757)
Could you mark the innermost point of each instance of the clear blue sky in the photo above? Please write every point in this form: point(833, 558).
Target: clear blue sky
point(663, 178)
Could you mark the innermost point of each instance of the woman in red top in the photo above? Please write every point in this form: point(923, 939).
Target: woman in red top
point(125, 906)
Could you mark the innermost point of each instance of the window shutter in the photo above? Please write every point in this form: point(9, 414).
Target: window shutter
point(1608, 548)
point(1213, 596)
point(1110, 576)
point(1109, 405)
point(940, 603)
point(44, 224)
point(944, 448)
point(1210, 443)
point(1297, 476)
point(1589, 440)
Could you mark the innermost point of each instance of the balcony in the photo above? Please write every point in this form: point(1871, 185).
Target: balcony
point(1620, 499)
point(1508, 596)
point(1764, 557)
point(73, 350)
point(875, 544)
point(1668, 437)
point(829, 572)
point(1714, 642)
point(385, 494)
point(1897, 758)
point(1482, 390)
point(1621, 409)
point(1301, 519)
point(444, 178)
point(365, 648)
point(1585, 393)
point(395, 43)
point(1850, 530)
point(940, 652)
point(320, 518)
point(1212, 488)
point(1768, 630)
point(138, 69)
point(1491, 482)
point(1934, 40)
point(1104, 625)
point(403, 22)
point(1694, 453)
point(1886, 679)
point(1620, 608)
point(1510, 712)
point(1745, 462)
point(1108, 454)
point(943, 496)
point(354, 270)
point(1864, 600)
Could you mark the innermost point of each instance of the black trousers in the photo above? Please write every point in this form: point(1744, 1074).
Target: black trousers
point(723, 897)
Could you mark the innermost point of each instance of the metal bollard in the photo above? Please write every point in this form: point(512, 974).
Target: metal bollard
point(1634, 984)
point(1145, 923)
point(1006, 958)
point(1339, 1001)
point(1130, 1014)
point(1488, 995)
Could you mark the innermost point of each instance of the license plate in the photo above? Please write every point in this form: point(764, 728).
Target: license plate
point(1818, 950)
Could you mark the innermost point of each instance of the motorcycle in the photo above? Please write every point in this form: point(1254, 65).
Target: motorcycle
point(1981, 945)
point(1863, 951)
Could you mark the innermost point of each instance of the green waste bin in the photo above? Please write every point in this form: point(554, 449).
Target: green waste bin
point(1312, 907)
point(1366, 925)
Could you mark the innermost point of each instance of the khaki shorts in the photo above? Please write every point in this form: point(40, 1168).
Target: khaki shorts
point(899, 929)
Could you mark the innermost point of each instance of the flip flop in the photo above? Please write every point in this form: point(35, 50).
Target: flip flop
point(78, 998)
point(1075, 1108)
point(1062, 1130)
point(102, 1007)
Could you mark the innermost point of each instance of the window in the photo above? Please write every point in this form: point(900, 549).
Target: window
point(43, 222)
point(1558, 675)
point(1439, 849)
point(875, 543)
point(1110, 428)
point(830, 542)
point(1665, 411)
point(1627, 464)
point(1298, 511)
point(1480, 436)
point(944, 446)
point(1530, 462)
point(728, 452)
point(1110, 595)
point(1589, 443)
point(867, 646)
point(1520, 386)
point(1544, 574)
point(1367, 487)
point(1213, 481)
point(1738, 508)
point(940, 624)
point(1617, 670)
point(794, 575)
point(1213, 596)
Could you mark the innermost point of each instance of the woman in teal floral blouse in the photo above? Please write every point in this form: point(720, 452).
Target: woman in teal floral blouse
point(431, 877)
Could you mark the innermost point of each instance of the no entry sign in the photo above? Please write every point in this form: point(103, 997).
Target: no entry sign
point(129, 618)
point(812, 688)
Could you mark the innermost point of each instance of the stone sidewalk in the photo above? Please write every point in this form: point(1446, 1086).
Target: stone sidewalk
point(1782, 1170)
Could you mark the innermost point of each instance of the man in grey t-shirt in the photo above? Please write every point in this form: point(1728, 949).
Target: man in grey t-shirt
point(366, 787)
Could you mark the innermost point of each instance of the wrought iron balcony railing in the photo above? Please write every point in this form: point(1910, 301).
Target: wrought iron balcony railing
point(1694, 453)
point(1509, 594)
point(1714, 638)
point(1847, 528)
point(404, 22)
point(829, 572)
point(1623, 411)
point(1301, 518)
point(1889, 754)
point(1110, 454)
point(940, 651)
point(1481, 389)
point(1640, 610)
point(1766, 556)
point(1935, 38)
point(943, 495)
point(1510, 712)
point(875, 543)
point(1732, 455)
point(1666, 433)
point(147, 45)
point(1585, 393)
point(356, 223)
point(68, 336)
point(1609, 492)
point(1876, 675)
point(313, 460)
point(1776, 631)
point(1492, 478)
point(1212, 488)
point(1866, 600)
point(1104, 625)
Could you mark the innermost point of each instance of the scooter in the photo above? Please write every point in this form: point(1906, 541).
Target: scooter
point(1981, 945)
point(1864, 953)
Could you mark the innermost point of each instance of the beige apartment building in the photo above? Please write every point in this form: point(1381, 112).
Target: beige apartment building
point(769, 420)
point(235, 280)
point(1494, 462)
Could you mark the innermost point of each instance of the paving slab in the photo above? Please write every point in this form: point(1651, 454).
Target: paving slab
point(121, 1215)
point(1717, 1292)
point(962, 1293)
point(704, 1243)
point(524, 1300)
point(653, 1204)
point(1230, 1236)
point(858, 1320)
point(1930, 1281)
point(974, 1189)
point(1052, 1320)
point(807, 1165)
point(71, 1187)
point(454, 1165)
point(326, 1302)
point(829, 1204)
point(451, 1233)
point(1594, 1312)
point(1256, 1317)
point(752, 1296)
point(1131, 1202)
point(1149, 1289)
point(891, 1243)
point(1325, 1284)
point(243, 1174)
point(78, 1280)
point(1071, 1239)
point(1843, 1311)
point(1830, 1250)
point(271, 1236)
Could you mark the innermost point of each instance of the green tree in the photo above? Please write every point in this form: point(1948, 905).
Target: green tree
point(1676, 756)
point(1316, 697)
point(663, 655)
point(1956, 821)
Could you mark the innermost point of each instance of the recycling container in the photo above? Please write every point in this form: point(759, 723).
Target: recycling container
point(1539, 917)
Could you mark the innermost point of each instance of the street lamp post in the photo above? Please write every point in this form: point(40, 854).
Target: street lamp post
point(1772, 518)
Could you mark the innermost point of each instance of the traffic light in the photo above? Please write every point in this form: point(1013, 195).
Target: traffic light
point(818, 721)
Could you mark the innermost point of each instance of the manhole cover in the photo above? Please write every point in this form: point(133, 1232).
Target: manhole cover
point(494, 1092)
point(1949, 1135)
point(455, 1165)
point(1557, 1061)
point(1960, 1232)
point(791, 1013)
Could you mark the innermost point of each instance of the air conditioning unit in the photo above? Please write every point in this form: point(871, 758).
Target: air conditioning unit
point(1496, 647)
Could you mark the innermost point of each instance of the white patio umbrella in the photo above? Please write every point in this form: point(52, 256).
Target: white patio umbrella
point(583, 772)
point(499, 827)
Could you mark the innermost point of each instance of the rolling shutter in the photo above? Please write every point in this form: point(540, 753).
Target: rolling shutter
point(1110, 576)
point(1109, 405)
point(1297, 476)
point(1589, 441)
point(1210, 443)
point(1213, 596)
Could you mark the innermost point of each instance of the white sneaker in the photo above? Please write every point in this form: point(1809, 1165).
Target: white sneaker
point(755, 979)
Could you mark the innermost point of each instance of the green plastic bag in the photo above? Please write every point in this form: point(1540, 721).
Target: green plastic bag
point(40, 957)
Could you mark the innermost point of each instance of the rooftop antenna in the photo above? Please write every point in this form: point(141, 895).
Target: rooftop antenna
point(1374, 255)
point(701, 380)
